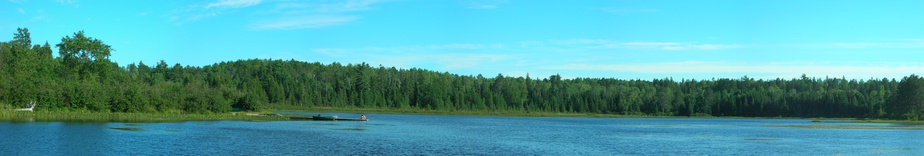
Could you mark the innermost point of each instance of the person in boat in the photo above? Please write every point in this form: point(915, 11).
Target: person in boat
point(363, 117)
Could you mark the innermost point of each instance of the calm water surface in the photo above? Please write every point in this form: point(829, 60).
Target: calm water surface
point(387, 134)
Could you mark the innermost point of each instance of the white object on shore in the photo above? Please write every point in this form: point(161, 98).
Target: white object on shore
point(31, 106)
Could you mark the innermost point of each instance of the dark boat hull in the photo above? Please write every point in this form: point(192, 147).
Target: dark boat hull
point(325, 118)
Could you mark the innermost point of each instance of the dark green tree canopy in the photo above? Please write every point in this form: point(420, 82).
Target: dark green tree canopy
point(909, 102)
point(82, 78)
point(22, 37)
point(83, 49)
point(83, 54)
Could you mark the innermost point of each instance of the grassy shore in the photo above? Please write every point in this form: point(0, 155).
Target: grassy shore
point(547, 114)
point(460, 112)
point(497, 113)
point(127, 117)
point(9, 115)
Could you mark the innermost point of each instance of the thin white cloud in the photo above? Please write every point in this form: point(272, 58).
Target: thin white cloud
point(609, 44)
point(40, 18)
point(21, 11)
point(866, 70)
point(914, 40)
point(202, 11)
point(418, 48)
point(302, 8)
point(483, 4)
point(863, 45)
point(447, 56)
point(281, 15)
point(311, 21)
point(880, 44)
point(681, 46)
point(712, 46)
point(463, 61)
point(68, 2)
point(482, 7)
point(348, 6)
point(336, 52)
point(232, 4)
point(200, 16)
point(598, 56)
point(465, 46)
point(308, 15)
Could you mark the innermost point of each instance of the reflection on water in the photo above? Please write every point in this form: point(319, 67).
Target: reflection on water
point(389, 134)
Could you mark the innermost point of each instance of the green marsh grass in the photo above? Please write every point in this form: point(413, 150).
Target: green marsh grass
point(127, 117)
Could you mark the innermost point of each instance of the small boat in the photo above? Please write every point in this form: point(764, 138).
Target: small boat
point(31, 107)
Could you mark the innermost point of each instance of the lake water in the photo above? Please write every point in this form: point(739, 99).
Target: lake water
point(389, 134)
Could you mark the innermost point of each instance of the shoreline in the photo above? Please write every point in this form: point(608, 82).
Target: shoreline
point(589, 115)
point(53, 116)
point(507, 113)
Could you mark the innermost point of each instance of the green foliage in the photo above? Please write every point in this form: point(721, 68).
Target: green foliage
point(83, 79)
point(909, 102)
point(83, 54)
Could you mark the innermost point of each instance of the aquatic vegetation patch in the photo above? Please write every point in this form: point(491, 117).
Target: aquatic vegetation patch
point(133, 129)
point(907, 122)
point(134, 124)
point(352, 129)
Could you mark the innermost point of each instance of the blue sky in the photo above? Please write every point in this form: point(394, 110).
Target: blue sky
point(626, 39)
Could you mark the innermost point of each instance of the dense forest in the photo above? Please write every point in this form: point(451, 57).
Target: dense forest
point(82, 78)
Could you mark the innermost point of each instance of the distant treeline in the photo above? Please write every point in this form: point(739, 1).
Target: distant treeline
point(82, 78)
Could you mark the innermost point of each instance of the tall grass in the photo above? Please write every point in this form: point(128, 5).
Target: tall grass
point(7, 115)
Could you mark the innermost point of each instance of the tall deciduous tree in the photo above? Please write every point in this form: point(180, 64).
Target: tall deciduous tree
point(81, 52)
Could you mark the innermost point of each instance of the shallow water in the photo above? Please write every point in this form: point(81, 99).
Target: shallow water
point(388, 134)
